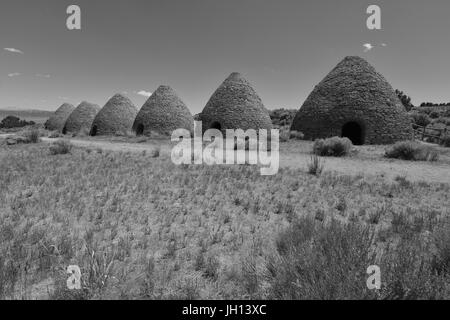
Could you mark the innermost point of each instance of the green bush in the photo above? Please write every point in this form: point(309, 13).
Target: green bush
point(61, 147)
point(414, 151)
point(332, 147)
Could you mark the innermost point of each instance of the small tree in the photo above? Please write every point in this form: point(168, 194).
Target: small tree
point(420, 119)
point(14, 122)
point(282, 117)
point(406, 100)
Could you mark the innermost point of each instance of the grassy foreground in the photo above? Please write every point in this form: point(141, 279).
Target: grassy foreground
point(140, 227)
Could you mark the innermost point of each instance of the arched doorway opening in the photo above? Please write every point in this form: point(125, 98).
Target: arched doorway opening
point(216, 125)
point(140, 130)
point(355, 132)
point(94, 131)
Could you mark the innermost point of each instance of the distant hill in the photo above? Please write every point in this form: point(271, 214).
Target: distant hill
point(38, 116)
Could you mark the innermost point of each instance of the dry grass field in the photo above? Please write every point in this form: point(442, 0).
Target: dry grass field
point(140, 227)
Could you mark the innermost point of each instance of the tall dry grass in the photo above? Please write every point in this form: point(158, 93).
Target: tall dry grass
point(140, 227)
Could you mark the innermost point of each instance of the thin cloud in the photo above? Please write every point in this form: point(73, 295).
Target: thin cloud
point(43, 75)
point(15, 74)
point(144, 93)
point(63, 98)
point(13, 50)
point(367, 47)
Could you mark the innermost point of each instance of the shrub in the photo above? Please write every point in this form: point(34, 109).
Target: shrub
point(156, 152)
point(414, 151)
point(247, 145)
point(61, 147)
point(420, 119)
point(316, 260)
point(285, 134)
point(32, 136)
point(55, 134)
point(282, 117)
point(434, 114)
point(315, 166)
point(297, 135)
point(403, 181)
point(212, 266)
point(13, 122)
point(405, 99)
point(445, 142)
point(82, 133)
point(430, 154)
point(142, 139)
point(443, 120)
point(409, 274)
point(120, 133)
point(441, 262)
point(402, 150)
point(332, 147)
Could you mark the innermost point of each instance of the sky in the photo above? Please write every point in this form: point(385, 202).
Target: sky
point(283, 47)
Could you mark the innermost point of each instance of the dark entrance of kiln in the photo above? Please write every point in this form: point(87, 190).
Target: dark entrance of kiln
point(355, 132)
point(140, 130)
point(216, 125)
point(94, 131)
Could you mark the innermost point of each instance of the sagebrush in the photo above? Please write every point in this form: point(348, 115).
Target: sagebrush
point(412, 150)
point(332, 147)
